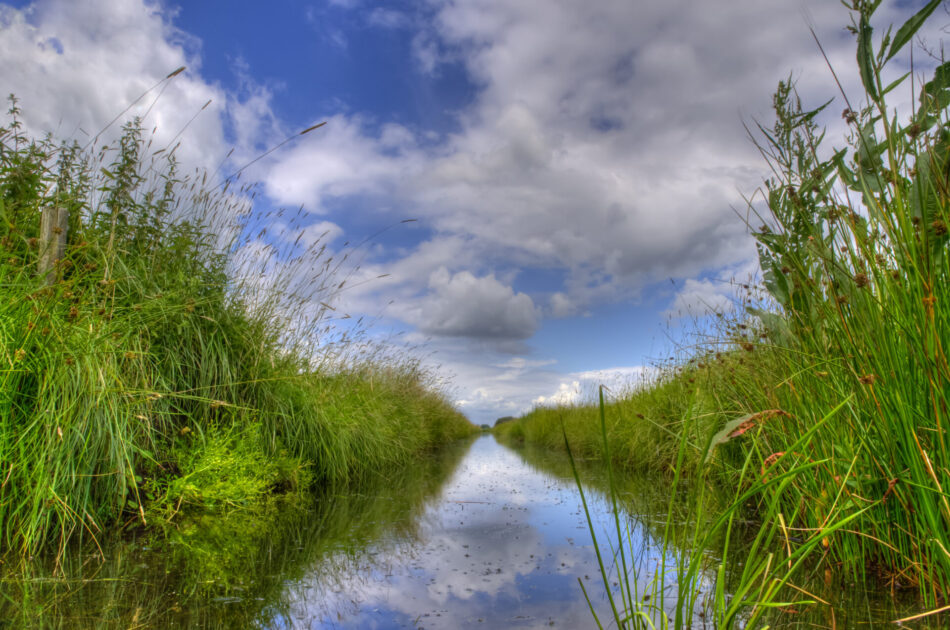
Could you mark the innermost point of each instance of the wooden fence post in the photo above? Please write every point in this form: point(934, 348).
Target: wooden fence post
point(52, 243)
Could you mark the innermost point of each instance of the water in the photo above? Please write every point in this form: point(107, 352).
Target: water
point(502, 547)
point(477, 536)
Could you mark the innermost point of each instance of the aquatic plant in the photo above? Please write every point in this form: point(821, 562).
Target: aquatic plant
point(853, 251)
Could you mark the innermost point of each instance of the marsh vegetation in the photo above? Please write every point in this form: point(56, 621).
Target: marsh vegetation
point(166, 383)
point(822, 407)
point(159, 368)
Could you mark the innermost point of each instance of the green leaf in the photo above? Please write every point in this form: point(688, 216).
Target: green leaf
point(775, 324)
point(910, 27)
point(866, 57)
point(895, 83)
point(775, 281)
point(935, 95)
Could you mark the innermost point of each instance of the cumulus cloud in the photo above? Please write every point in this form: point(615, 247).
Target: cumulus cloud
point(463, 305)
point(583, 386)
point(604, 140)
point(341, 160)
point(708, 296)
point(562, 306)
point(702, 297)
point(566, 394)
point(107, 53)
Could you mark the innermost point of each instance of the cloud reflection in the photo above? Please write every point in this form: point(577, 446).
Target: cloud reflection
point(503, 547)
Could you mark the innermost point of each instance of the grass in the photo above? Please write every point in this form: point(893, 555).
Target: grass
point(158, 368)
point(826, 409)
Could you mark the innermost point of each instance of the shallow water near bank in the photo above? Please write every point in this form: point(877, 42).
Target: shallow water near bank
point(475, 536)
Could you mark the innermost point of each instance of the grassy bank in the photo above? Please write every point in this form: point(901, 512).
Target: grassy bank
point(845, 378)
point(195, 574)
point(152, 370)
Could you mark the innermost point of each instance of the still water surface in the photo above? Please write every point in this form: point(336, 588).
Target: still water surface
point(475, 536)
point(501, 547)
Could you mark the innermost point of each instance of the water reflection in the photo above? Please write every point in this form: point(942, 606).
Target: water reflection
point(503, 547)
point(473, 538)
point(477, 536)
point(841, 603)
point(224, 572)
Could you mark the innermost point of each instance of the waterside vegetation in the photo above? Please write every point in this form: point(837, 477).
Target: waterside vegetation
point(238, 569)
point(824, 406)
point(157, 368)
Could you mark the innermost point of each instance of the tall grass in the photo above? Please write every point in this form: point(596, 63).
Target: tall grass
point(853, 250)
point(148, 348)
point(828, 411)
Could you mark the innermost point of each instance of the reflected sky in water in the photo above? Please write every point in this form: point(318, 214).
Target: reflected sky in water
point(502, 547)
point(475, 535)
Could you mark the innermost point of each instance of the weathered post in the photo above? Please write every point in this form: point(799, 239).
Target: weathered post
point(52, 241)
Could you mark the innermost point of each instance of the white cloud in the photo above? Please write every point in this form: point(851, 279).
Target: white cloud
point(562, 306)
point(520, 363)
point(566, 394)
point(605, 140)
point(583, 386)
point(340, 159)
point(463, 305)
point(702, 297)
point(698, 298)
point(106, 54)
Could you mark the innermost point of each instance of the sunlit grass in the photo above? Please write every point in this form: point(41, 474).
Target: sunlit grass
point(159, 368)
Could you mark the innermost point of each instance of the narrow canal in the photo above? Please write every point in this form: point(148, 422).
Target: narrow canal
point(478, 535)
point(501, 547)
point(471, 537)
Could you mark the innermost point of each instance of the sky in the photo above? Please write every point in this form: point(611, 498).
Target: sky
point(576, 171)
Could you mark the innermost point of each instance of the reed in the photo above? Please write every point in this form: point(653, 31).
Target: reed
point(835, 390)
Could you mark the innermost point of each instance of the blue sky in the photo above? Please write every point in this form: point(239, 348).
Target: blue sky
point(577, 170)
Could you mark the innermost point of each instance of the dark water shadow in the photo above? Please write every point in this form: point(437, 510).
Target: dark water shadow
point(232, 571)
